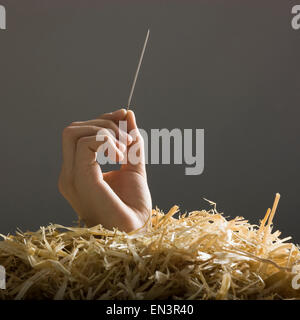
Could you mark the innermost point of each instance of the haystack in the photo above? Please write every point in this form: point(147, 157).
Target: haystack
point(200, 255)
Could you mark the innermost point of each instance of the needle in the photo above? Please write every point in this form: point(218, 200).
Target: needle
point(138, 69)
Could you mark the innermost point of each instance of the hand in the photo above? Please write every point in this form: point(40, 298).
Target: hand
point(119, 199)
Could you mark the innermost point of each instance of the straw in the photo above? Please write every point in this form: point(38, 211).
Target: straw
point(200, 255)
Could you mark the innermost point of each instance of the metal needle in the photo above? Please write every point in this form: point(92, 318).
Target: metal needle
point(137, 70)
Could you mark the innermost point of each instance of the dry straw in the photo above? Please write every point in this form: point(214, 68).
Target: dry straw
point(200, 255)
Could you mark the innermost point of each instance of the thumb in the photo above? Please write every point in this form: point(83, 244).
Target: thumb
point(131, 121)
point(135, 160)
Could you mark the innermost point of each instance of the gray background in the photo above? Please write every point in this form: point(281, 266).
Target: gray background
point(231, 68)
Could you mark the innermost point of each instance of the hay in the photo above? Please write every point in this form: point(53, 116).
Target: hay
point(200, 255)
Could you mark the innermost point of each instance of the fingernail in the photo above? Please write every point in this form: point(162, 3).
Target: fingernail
point(120, 110)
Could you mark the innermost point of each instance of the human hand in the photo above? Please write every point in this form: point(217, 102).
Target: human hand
point(119, 199)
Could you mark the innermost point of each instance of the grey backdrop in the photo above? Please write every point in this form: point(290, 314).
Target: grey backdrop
point(231, 68)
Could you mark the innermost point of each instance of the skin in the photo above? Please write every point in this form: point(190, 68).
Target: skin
point(119, 199)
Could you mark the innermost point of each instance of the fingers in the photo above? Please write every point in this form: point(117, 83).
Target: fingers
point(77, 130)
point(104, 131)
point(87, 148)
point(102, 135)
point(131, 121)
point(70, 136)
point(108, 124)
point(136, 154)
point(115, 116)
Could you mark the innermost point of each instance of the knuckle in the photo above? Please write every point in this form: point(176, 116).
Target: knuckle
point(112, 133)
point(65, 185)
point(100, 131)
point(106, 122)
point(108, 139)
point(95, 130)
point(82, 140)
point(67, 132)
point(109, 124)
point(112, 140)
point(103, 132)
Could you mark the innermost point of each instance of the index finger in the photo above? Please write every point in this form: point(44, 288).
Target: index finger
point(115, 116)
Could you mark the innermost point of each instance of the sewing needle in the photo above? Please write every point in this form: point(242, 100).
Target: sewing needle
point(137, 70)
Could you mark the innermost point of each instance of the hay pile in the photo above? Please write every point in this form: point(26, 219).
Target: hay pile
point(201, 255)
